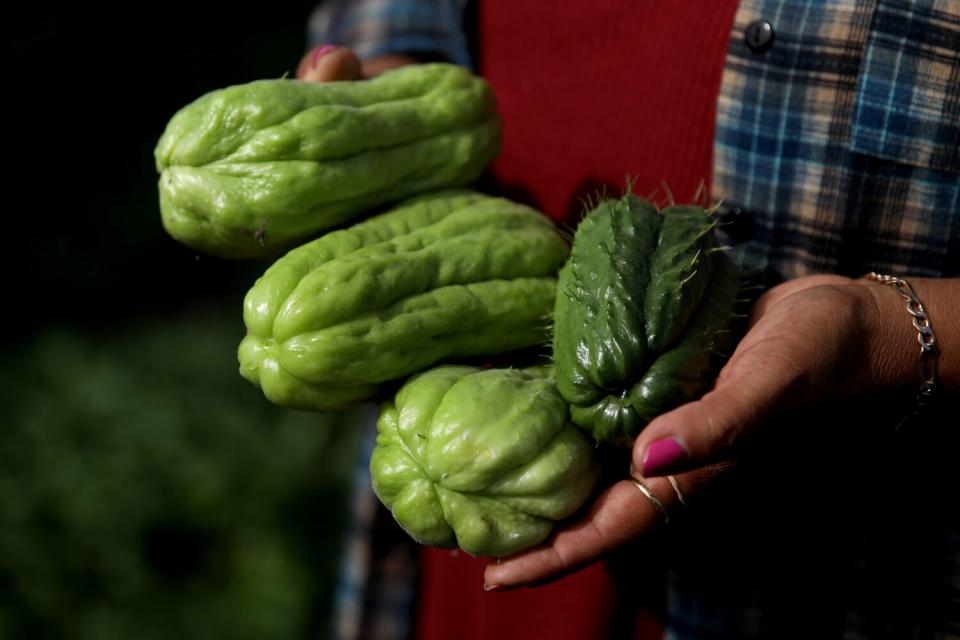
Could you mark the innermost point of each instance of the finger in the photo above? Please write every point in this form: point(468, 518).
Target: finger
point(794, 355)
point(328, 63)
point(376, 66)
point(619, 514)
point(705, 430)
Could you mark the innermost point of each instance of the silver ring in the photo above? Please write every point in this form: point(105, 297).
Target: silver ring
point(676, 490)
point(654, 500)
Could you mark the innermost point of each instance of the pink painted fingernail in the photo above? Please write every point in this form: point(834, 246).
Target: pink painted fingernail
point(664, 456)
point(318, 52)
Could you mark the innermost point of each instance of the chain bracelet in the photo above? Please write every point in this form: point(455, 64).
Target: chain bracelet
point(929, 352)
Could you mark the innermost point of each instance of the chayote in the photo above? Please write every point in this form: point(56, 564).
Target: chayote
point(643, 307)
point(256, 167)
point(446, 275)
point(483, 459)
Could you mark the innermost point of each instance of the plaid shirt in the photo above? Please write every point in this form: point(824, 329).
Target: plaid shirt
point(837, 150)
point(377, 27)
point(841, 142)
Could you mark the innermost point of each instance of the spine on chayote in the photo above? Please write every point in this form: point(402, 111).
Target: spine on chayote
point(253, 168)
point(643, 308)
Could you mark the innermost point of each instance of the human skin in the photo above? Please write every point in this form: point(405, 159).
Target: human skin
point(811, 340)
point(327, 63)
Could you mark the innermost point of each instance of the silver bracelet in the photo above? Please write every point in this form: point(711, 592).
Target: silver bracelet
point(929, 352)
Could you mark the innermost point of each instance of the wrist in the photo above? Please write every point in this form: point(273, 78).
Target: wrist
point(891, 338)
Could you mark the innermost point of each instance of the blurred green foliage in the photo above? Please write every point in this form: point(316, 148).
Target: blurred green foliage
point(147, 491)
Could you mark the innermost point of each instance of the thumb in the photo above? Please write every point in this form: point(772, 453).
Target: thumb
point(328, 63)
point(704, 431)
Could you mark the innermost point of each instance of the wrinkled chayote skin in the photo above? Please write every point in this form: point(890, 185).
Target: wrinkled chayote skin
point(256, 167)
point(481, 459)
point(643, 307)
point(446, 275)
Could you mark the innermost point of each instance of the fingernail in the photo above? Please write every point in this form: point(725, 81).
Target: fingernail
point(318, 52)
point(490, 587)
point(664, 456)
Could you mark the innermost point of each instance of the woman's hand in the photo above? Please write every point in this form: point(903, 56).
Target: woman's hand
point(328, 63)
point(793, 332)
point(621, 514)
point(811, 340)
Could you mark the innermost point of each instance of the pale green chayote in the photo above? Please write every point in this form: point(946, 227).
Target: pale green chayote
point(253, 168)
point(446, 275)
point(482, 459)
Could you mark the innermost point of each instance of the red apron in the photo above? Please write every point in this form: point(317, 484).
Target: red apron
point(590, 93)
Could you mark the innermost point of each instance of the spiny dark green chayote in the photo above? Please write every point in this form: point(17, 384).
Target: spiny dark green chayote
point(483, 459)
point(256, 167)
point(643, 306)
point(445, 275)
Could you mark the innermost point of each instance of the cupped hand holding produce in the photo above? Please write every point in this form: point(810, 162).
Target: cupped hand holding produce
point(481, 459)
point(447, 275)
point(250, 169)
point(795, 335)
point(811, 340)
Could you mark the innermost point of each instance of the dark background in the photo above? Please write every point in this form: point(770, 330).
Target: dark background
point(89, 92)
point(146, 490)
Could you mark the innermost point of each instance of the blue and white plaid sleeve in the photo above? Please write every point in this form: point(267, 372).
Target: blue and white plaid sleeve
point(378, 27)
point(841, 144)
